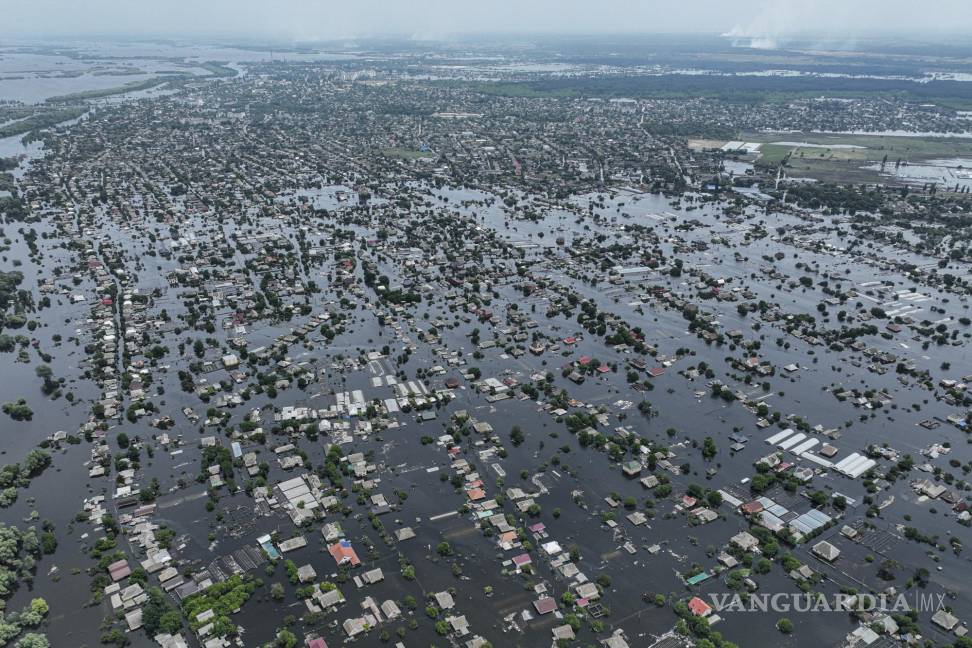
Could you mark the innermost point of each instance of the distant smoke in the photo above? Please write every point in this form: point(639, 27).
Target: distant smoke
point(773, 22)
point(740, 39)
point(776, 23)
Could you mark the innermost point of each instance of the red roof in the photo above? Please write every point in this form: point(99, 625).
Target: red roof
point(343, 552)
point(119, 570)
point(698, 607)
point(118, 564)
point(585, 360)
point(522, 559)
point(546, 605)
point(751, 507)
point(316, 643)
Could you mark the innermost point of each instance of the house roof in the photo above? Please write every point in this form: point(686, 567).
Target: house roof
point(944, 619)
point(343, 552)
point(444, 600)
point(119, 570)
point(751, 507)
point(545, 605)
point(826, 550)
point(563, 632)
point(698, 607)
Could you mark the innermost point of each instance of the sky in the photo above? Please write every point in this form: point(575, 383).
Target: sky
point(310, 20)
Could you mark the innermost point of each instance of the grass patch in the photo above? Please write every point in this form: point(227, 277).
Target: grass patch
point(524, 90)
point(405, 154)
point(702, 144)
point(829, 162)
point(735, 89)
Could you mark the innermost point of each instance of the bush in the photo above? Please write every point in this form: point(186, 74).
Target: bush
point(19, 410)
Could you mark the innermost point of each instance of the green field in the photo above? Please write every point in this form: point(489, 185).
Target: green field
point(523, 90)
point(405, 154)
point(829, 161)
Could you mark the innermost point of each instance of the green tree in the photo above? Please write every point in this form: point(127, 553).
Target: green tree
point(33, 640)
point(516, 436)
point(285, 639)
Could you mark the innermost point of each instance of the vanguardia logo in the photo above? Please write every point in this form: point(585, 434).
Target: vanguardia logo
point(801, 602)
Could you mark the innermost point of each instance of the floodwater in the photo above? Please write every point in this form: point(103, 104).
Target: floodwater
point(823, 146)
point(950, 173)
point(34, 72)
point(410, 466)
